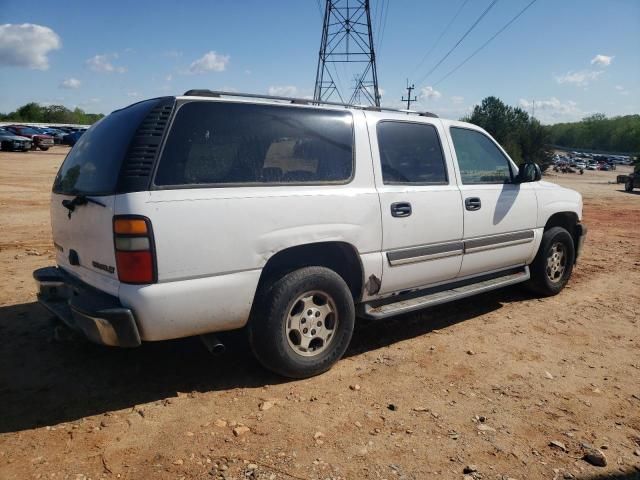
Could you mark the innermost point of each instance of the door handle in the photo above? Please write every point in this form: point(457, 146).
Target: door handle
point(400, 209)
point(472, 204)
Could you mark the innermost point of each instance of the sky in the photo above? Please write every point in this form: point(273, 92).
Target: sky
point(572, 57)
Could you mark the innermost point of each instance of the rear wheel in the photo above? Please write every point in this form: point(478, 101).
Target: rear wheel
point(628, 185)
point(302, 323)
point(44, 149)
point(552, 267)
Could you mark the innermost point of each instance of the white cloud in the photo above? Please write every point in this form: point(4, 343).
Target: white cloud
point(621, 90)
point(553, 110)
point(579, 79)
point(602, 60)
point(168, 78)
point(102, 64)
point(430, 94)
point(133, 94)
point(27, 45)
point(209, 62)
point(283, 91)
point(172, 53)
point(70, 83)
point(457, 100)
point(90, 102)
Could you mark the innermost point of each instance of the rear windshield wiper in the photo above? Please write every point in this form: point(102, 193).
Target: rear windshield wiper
point(77, 201)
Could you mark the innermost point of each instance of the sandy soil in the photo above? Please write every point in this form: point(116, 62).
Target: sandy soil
point(487, 382)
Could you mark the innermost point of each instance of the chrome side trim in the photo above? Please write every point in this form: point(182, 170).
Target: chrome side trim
point(498, 241)
point(450, 249)
point(421, 254)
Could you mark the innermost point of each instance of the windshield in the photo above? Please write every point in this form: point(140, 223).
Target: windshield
point(28, 131)
point(93, 164)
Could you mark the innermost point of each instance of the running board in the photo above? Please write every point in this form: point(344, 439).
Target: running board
point(447, 293)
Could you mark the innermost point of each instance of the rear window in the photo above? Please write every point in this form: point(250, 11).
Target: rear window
point(215, 143)
point(93, 164)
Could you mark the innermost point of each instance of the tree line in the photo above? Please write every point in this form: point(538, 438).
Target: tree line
point(35, 113)
point(526, 140)
point(597, 132)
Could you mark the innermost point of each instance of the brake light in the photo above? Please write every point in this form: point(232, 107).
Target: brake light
point(135, 253)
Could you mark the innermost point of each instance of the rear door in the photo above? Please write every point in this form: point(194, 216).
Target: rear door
point(84, 197)
point(499, 214)
point(420, 203)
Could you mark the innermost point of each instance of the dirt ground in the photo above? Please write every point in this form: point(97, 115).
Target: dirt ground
point(488, 382)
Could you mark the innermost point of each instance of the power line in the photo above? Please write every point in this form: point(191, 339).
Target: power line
point(469, 30)
point(485, 43)
point(444, 31)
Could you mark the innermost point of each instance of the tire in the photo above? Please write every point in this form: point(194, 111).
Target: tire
point(628, 185)
point(44, 149)
point(552, 267)
point(313, 300)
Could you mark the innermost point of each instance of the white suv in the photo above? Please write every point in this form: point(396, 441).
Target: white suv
point(213, 211)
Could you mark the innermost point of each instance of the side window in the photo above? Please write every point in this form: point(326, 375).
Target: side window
point(479, 159)
point(410, 153)
point(234, 143)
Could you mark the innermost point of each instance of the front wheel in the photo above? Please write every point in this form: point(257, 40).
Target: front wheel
point(302, 324)
point(552, 267)
point(628, 185)
point(44, 149)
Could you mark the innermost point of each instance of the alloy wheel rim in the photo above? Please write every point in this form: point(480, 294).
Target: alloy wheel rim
point(312, 320)
point(556, 262)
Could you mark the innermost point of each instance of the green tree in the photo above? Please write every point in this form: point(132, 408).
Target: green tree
point(523, 137)
point(33, 112)
point(597, 132)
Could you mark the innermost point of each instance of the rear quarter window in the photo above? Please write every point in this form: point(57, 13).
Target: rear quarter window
point(215, 143)
point(93, 165)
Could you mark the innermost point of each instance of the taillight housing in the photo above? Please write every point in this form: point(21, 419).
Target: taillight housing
point(135, 249)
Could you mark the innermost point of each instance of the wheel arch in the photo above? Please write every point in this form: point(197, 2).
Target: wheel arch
point(567, 220)
point(341, 257)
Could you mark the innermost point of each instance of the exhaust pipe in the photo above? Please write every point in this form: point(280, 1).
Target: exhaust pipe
point(213, 344)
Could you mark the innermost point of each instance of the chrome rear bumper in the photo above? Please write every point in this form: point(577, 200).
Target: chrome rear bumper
point(99, 316)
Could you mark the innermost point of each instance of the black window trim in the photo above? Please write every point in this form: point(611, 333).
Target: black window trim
point(506, 157)
point(181, 103)
point(447, 180)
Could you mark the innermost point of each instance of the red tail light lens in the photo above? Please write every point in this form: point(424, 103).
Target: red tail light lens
point(135, 252)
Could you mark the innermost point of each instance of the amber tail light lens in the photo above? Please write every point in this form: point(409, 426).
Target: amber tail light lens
point(135, 252)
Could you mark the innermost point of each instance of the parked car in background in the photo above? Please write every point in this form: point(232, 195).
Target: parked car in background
point(57, 135)
point(10, 142)
point(71, 138)
point(581, 165)
point(39, 140)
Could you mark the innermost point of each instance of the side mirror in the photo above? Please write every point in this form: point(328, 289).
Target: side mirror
point(529, 172)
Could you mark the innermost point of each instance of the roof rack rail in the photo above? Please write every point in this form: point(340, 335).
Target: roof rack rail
point(299, 101)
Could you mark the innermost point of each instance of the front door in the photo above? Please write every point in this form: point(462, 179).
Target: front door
point(420, 204)
point(499, 214)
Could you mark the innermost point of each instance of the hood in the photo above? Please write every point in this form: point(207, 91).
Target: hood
point(11, 136)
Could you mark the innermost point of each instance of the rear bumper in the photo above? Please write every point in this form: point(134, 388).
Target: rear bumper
point(581, 235)
point(99, 316)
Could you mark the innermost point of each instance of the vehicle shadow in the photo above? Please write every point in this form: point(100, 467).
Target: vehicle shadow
point(615, 476)
point(46, 382)
point(632, 192)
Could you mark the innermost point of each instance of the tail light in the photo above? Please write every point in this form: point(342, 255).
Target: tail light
point(135, 250)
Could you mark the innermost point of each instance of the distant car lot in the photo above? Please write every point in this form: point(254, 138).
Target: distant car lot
point(25, 136)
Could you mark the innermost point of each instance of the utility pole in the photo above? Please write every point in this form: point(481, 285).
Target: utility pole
point(347, 41)
point(410, 88)
point(533, 110)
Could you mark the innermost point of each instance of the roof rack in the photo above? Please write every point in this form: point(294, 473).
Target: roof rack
point(299, 101)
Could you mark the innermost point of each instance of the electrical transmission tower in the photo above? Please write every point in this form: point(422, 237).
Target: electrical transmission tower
point(347, 41)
